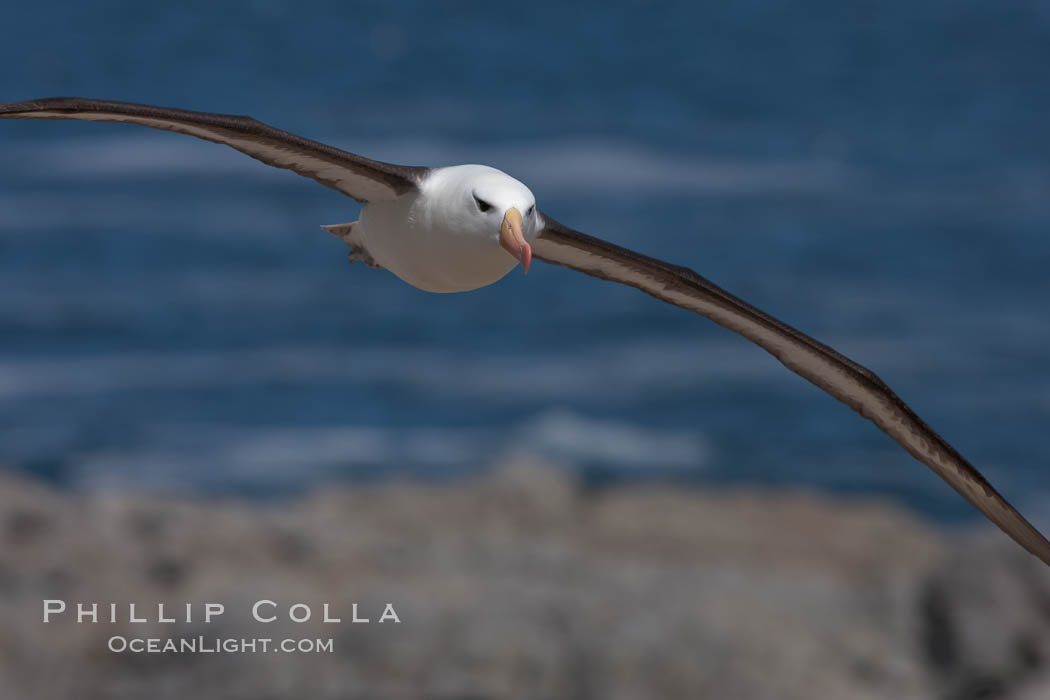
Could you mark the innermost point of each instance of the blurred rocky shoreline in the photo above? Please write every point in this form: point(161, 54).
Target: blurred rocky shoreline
point(518, 584)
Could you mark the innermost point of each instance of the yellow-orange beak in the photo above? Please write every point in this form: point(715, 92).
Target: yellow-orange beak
point(512, 239)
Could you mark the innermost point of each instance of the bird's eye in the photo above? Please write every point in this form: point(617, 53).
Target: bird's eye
point(482, 204)
point(531, 209)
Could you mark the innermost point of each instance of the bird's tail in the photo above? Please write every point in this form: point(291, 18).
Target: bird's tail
point(344, 231)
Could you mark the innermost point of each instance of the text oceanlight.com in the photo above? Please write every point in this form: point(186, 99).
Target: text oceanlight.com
point(215, 645)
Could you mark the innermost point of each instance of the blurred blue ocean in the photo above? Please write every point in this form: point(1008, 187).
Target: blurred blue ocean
point(172, 316)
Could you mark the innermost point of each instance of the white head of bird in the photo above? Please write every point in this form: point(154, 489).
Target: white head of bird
point(468, 226)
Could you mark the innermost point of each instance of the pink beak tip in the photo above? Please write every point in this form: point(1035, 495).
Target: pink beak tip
point(526, 257)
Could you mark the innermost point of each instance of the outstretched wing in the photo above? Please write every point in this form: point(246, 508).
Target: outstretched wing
point(854, 385)
point(361, 178)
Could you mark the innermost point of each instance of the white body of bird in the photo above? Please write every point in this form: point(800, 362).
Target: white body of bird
point(446, 236)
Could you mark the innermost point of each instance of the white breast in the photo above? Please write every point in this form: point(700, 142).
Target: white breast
point(431, 238)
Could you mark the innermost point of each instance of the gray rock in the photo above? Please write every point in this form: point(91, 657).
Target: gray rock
point(520, 584)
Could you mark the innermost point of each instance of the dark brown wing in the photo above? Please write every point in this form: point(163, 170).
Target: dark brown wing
point(361, 178)
point(854, 385)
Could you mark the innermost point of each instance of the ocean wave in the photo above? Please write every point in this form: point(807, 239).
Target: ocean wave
point(636, 366)
point(572, 166)
point(209, 456)
point(153, 215)
point(670, 364)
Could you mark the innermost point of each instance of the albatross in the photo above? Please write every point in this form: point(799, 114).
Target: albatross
point(453, 229)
